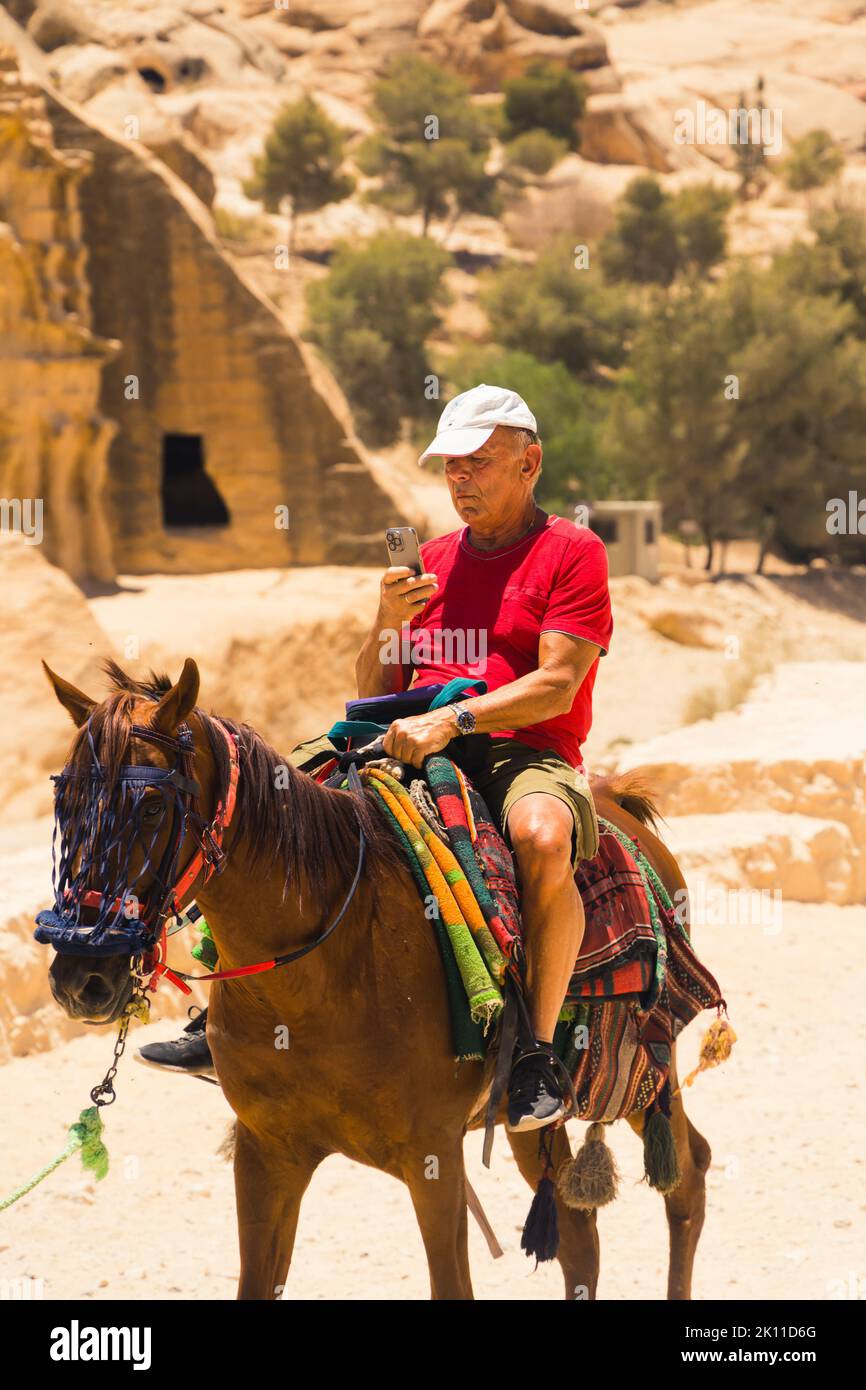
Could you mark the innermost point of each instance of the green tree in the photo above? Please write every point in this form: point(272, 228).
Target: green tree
point(548, 98)
point(301, 163)
point(835, 264)
point(670, 431)
point(700, 211)
point(802, 411)
point(657, 235)
point(372, 315)
point(566, 410)
point(815, 160)
point(557, 312)
point(743, 408)
point(534, 152)
point(432, 146)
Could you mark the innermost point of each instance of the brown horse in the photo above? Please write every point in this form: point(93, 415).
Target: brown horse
point(367, 1071)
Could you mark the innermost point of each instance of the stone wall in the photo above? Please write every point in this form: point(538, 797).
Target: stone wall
point(53, 436)
point(123, 322)
point(204, 354)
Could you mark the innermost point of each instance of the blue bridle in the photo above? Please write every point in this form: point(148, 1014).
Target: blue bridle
point(99, 823)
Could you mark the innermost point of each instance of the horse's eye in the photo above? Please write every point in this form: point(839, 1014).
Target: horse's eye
point(152, 808)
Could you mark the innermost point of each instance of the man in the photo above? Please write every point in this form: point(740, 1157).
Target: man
point(529, 593)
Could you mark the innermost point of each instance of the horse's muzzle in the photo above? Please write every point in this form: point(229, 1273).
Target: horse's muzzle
point(92, 990)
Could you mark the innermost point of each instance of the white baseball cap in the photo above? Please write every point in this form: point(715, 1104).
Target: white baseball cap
point(468, 421)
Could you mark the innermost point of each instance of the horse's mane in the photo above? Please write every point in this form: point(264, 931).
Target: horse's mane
point(283, 818)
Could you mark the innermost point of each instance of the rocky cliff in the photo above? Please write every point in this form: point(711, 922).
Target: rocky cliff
point(54, 436)
point(152, 334)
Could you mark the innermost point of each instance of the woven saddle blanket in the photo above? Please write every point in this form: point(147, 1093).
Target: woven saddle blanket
point(636, 982)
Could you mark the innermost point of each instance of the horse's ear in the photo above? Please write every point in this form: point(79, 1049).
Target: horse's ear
point(79, 705)
point(177, 703)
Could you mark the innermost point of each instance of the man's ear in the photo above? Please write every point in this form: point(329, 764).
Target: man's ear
point(177, 703)
point(530, 468)
point(74, 701)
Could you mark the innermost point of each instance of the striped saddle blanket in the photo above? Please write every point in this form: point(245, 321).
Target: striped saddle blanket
point(636, 982)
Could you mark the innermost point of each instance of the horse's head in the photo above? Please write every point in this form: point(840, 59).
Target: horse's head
point(122, 806)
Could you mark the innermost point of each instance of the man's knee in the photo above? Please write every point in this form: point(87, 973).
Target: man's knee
point(541, 836)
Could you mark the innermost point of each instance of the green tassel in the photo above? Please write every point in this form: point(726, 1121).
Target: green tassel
point(661, 1165)
point(205, 952)
point(87, 1130)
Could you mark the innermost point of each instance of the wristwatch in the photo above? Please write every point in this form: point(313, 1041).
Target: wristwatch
point(466, 721)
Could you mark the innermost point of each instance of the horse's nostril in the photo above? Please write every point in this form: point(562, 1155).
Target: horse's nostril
point(96, 991)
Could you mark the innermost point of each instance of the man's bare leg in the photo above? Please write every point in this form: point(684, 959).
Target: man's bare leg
point(541, 828)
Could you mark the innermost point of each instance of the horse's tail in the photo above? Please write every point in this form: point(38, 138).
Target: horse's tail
point(630, 791)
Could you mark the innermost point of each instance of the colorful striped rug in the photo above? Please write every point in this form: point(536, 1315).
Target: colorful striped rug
point(636, 983)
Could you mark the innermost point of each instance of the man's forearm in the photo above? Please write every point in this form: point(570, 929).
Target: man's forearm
point(537, 696)
point(374, 675)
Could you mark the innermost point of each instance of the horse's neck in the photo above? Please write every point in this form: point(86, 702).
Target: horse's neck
point(252, 920)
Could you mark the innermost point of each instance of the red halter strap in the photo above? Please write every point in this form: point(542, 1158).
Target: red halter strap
point(209, 858)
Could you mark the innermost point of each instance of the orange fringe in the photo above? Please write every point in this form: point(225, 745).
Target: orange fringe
point(715, 1048)
point(473, 833)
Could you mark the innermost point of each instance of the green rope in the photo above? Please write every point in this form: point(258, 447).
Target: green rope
point(86, 1135)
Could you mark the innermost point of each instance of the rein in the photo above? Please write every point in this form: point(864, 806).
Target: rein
point(180, 976)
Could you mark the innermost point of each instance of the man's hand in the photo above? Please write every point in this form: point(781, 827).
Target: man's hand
point(411, 740)
point(403, 594)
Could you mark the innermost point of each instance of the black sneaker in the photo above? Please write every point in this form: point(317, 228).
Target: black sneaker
point(189, 1053)
point(534, 1095)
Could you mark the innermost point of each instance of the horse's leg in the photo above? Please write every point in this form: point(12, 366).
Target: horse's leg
point(578, 1232)
point(437, 1186)
point(268, 1204)
point(685, 1206)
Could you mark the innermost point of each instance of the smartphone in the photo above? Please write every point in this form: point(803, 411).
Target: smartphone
point(402, 543)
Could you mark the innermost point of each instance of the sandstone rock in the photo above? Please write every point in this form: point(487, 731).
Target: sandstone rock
point(85, 69)
point(612, 132)
point(45, 617)
point(210, 383)
point(182, 155)
point(289, 39)
point(490, 41)
point(55, 436)
point(800, 858)
point(219, 119)
point(576, 198)
point(680, 621)
point(713, 52)
point(58, 22)
point(218, 367)
point(811, 763)
point(324, 15)
point(559, 18)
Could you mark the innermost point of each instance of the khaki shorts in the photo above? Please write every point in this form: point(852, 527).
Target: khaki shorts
point(514, 770)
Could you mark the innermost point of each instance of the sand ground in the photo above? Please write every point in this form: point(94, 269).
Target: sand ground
point(785, 1115)
point(786, 1201)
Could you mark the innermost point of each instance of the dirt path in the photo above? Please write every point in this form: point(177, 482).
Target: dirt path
point(785, 1116)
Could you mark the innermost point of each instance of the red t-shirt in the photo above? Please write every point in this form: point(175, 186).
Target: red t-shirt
point(491, 607)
